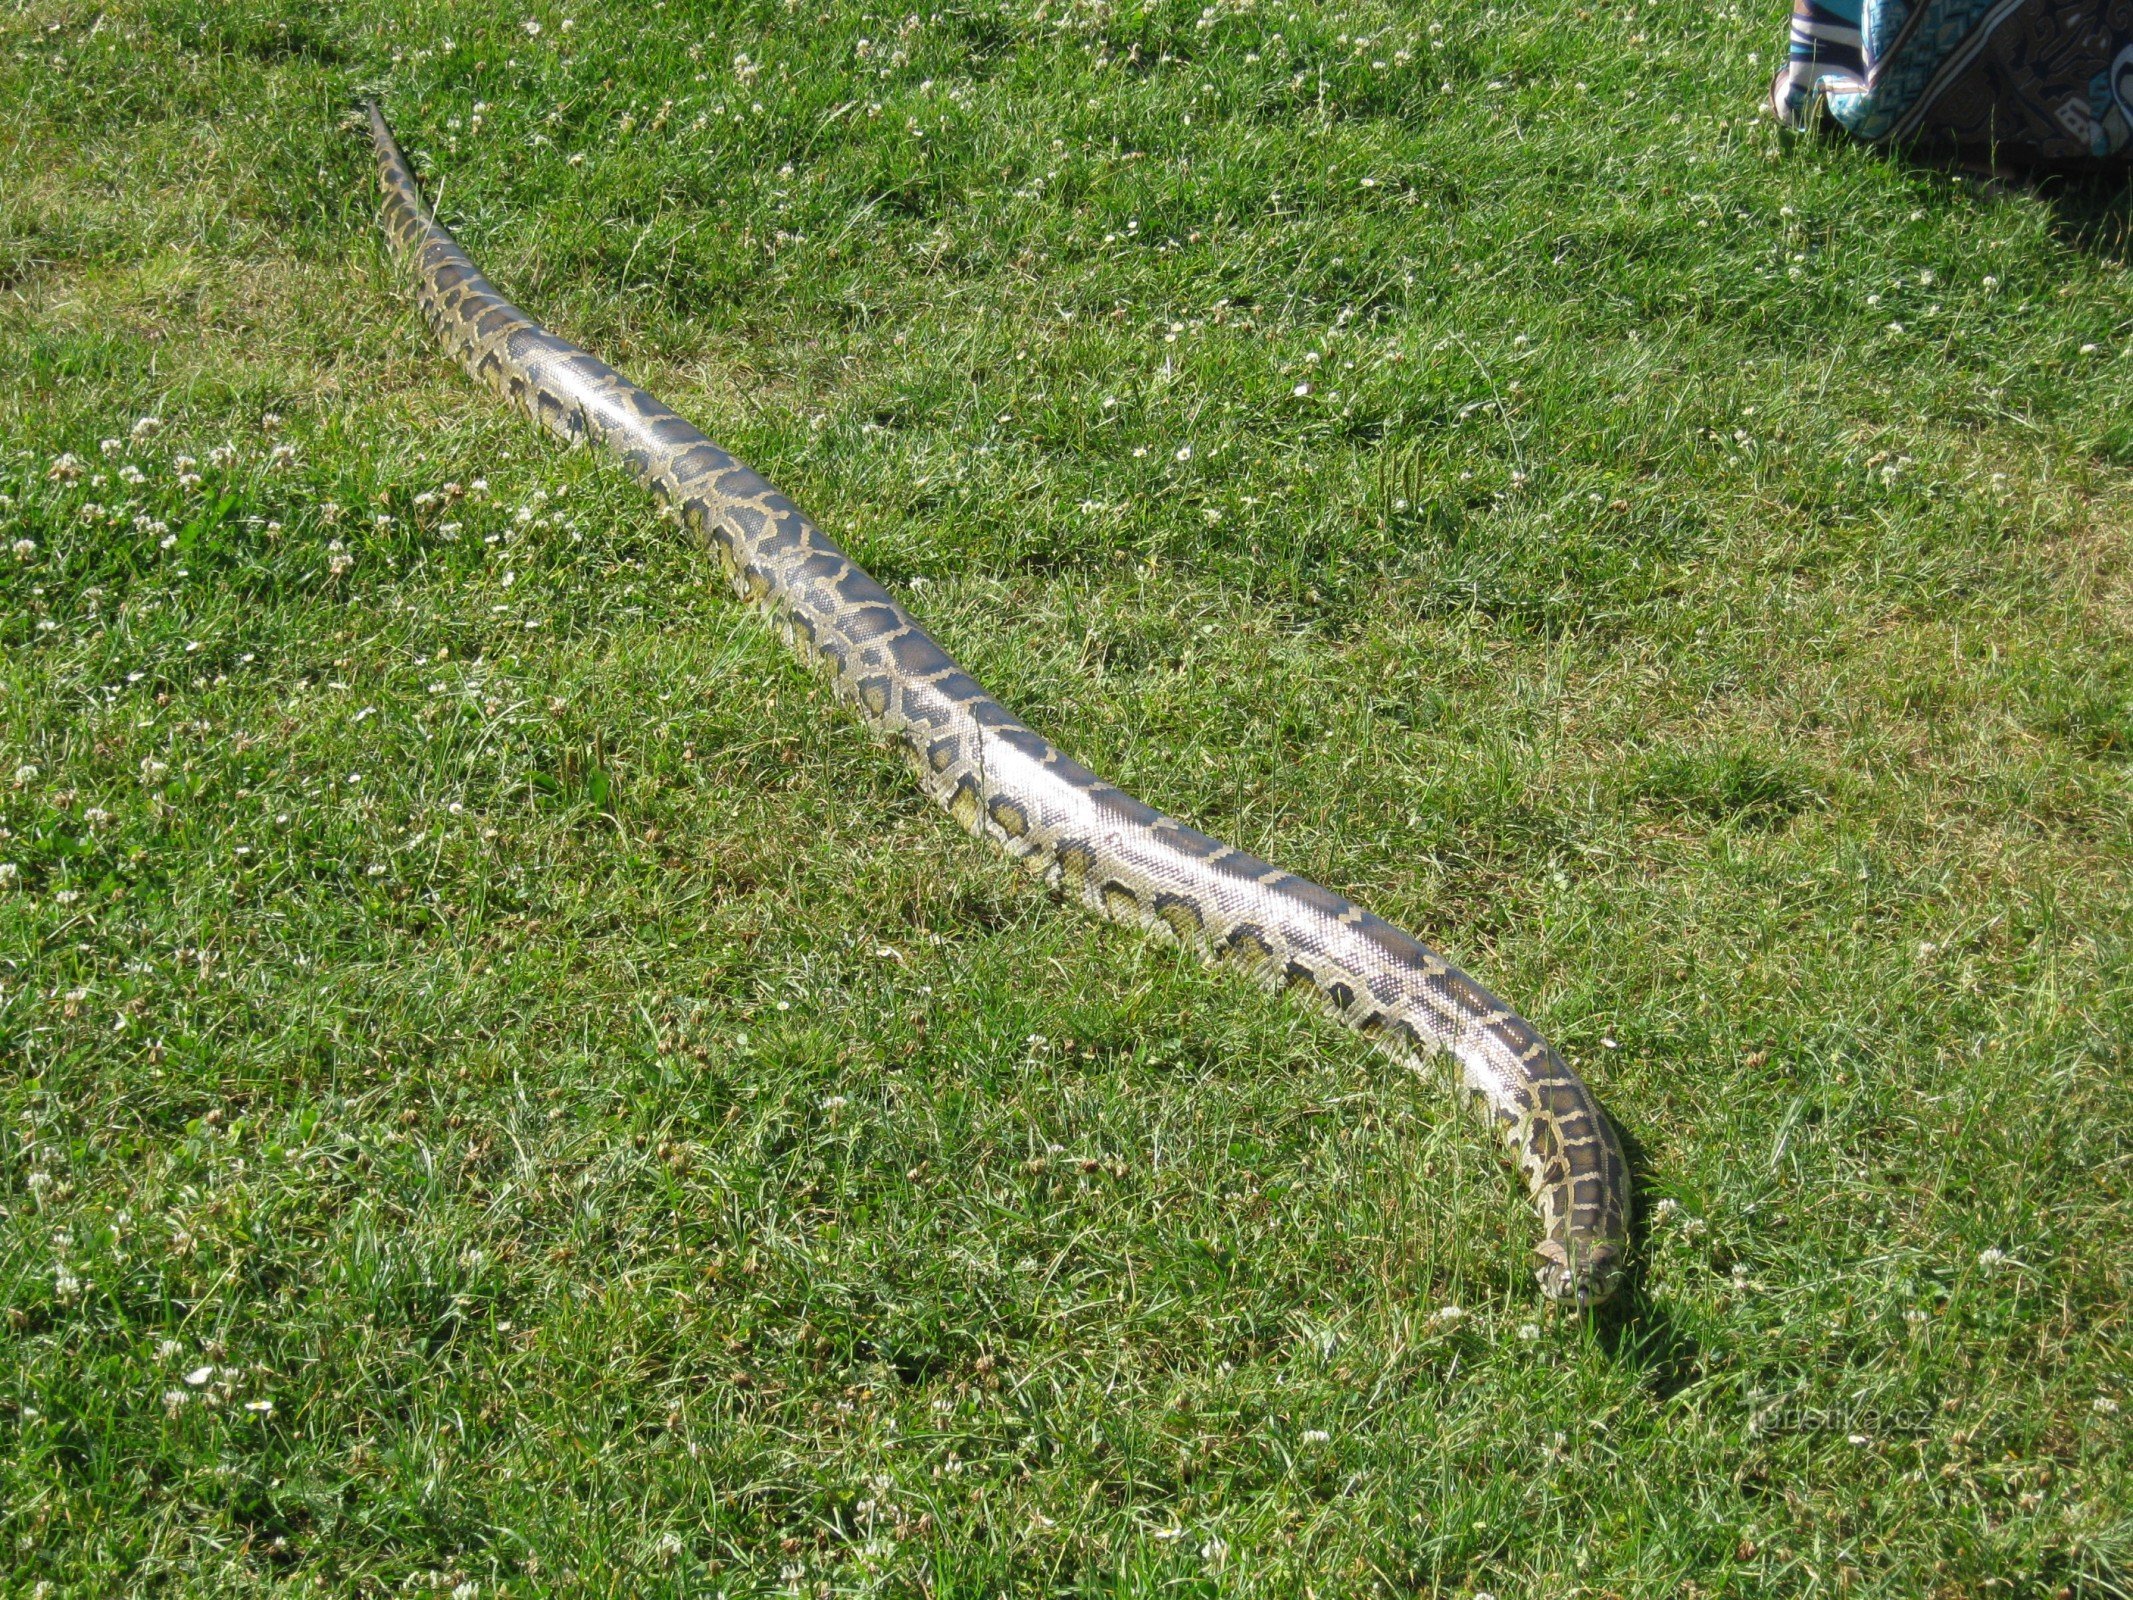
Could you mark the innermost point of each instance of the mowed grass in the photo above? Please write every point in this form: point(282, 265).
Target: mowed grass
point(508, 1092)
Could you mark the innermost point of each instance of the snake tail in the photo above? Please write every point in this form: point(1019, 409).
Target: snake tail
point(1093, 844)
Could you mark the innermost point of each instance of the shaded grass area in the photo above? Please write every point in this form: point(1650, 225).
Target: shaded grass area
point(505, 1089)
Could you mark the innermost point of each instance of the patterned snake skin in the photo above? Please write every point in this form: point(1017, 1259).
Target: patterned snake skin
point(1091, 842)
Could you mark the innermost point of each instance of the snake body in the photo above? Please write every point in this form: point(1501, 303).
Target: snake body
point(1092, 842)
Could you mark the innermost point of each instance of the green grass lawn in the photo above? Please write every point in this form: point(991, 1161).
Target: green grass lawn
point(507, 1092)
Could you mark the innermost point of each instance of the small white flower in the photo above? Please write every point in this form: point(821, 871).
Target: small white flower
point(261, 1408)
point(166, 1349)
point(131, 474)
point(533, 29)
point(25, 775)
point(173, 1400)
point(1317, 1436)
point(65, 469)
point(1991, 283)
point(1214, 1552)
point(1991, 1257)
point(1301, 390)
point(199, 1376)
point(1448, 1316)
point(381, 521)
point(147, 428)
point(64, 1283)
point(152, 770)
point(222, 455)
point(577, 158)
point(110, 447)
point(183, 463)
point(188, 480)
point(835, 1102)
point(282, 455)
point(270, 421)
point(1529, 1331)
point(24, 549)
point(2104, 1406)
point(2090, 349)
point(9, 872)
point(470, 1590)
point(1184, 452)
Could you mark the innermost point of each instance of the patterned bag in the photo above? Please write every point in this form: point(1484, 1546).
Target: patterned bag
point(2024, 82)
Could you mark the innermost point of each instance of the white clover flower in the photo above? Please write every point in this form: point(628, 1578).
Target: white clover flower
point(130, 473)
point(9, 872)
point(25, 775)
point(188, 480)
point(269, 421)
point(174, 1400)
point(222, 455)
point(1317, 1436)
point(338, 560)
point(183, 463)
point(2104, 1406)
point(65, 469)
point(91, 512)
point(1448, 1316)
point(533, 28)
point(154, 771)
point(1529, 1331)
point(835, 1102)
point(1991, 1257)
point(64, 1284)
point(110, 447)
point(147, 428)
point(24, 549)
point(281, 455)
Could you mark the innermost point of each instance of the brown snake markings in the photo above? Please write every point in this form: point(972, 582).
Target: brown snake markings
point(1091, 842)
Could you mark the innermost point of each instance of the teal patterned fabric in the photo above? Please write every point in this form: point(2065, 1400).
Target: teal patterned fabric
point(2019, 80)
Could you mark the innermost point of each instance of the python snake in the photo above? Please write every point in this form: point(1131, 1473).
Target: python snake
point(1002, 781)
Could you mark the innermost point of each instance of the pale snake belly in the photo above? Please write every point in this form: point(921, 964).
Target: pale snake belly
point(1093, 843)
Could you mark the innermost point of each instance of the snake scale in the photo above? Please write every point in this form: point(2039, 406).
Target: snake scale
point(1093, 843)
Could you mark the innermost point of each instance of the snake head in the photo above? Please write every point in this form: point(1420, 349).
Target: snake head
point(1585, 1273)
